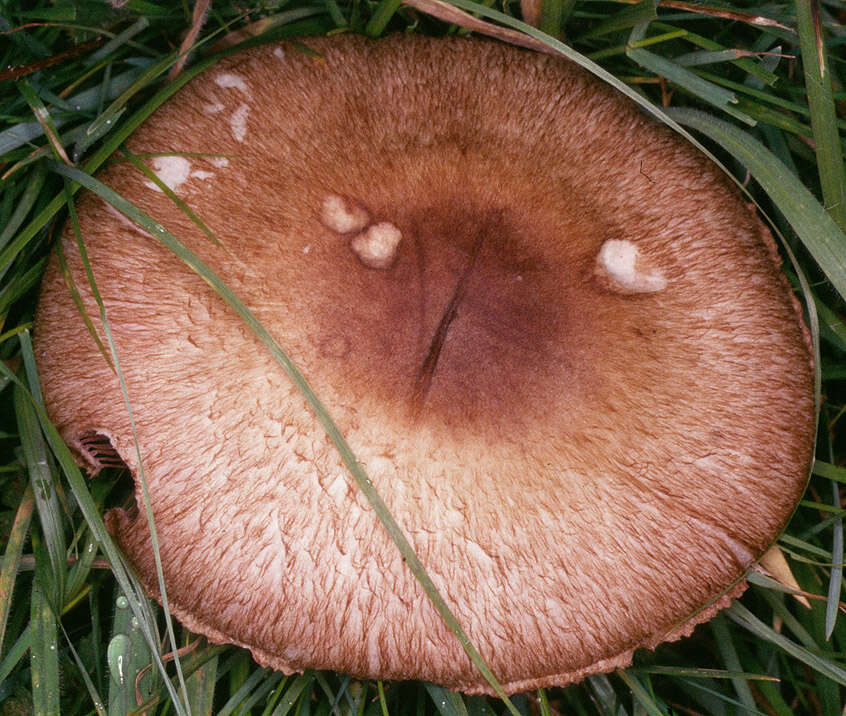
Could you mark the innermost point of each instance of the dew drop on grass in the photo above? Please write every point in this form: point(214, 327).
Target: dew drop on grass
point(118, 648)
point(122, 602)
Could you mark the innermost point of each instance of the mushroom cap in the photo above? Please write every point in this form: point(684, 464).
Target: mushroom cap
point(555, 336)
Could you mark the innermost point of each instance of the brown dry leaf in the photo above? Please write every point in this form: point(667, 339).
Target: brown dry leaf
point(198, 19)
point(449, 13)
point(775, 564)
point(531, 10)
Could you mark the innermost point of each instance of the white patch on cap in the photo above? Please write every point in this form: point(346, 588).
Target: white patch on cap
point(174, 171)
point(213, 108)
point(280, 53)
point(377, 247)
point(238, 122)
point(620, 263)
point(220, 162)
point(342, 215)
point(228, 80)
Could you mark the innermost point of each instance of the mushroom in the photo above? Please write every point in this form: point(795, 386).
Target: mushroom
point(555, 336)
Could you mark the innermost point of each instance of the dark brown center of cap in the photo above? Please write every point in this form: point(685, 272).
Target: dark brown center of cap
point(468, 321)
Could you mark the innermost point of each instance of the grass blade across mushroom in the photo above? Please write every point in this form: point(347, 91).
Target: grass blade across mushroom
point(669, 690)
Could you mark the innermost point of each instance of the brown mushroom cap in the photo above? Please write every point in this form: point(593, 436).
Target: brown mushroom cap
point(555, 336)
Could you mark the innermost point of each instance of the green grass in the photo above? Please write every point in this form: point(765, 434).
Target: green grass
point(76, 632)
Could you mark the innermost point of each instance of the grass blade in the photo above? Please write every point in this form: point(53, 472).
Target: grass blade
point(689, 673)
point(732, 661)
point(642, 12)
point(24, 203)
point(299, 688)
point(818, 84)
point(46, 499)
point(605, 695)
point(44, 119)
point(16, 653)
point(383, 703)
point(641, 695)
point(741, 615)
point(259, 683)
point(128, 654)
point(385, 10)
point(117, 41)
point(200, 685)
point(829, 471)
point(12, 557)
point(448, 703)
point(44, 654)
point(835, 583)
point(552, 16)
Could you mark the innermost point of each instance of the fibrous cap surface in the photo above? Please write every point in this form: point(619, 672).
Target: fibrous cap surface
point(555, 337)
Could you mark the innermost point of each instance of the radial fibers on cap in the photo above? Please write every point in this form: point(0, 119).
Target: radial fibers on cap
point(555, 336)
